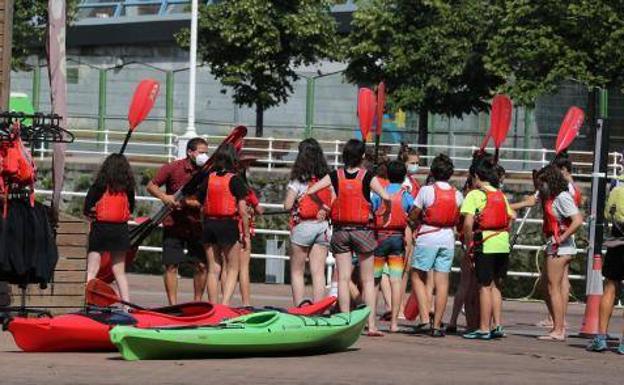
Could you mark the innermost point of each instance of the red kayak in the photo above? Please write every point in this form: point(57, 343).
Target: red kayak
point(88, 331)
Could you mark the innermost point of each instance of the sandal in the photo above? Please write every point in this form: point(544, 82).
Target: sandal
point(437, 333)
point(376, 333)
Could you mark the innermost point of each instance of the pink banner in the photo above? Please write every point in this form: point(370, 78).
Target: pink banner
point(58, 88)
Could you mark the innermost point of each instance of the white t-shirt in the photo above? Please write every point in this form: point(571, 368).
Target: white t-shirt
point(298, 187)
point(441, 238)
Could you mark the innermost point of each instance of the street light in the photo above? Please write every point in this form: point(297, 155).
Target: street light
point(191, 132)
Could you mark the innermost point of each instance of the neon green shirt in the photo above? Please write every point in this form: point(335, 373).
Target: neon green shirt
point(616, 198)
point(476, 200)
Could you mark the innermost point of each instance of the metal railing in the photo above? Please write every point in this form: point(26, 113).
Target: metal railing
point(275, 153)
point(330, 262)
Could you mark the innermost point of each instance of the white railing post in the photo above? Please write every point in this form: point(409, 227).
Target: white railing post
point(270, 153)
point(615, 164)
point(544, 163)
point(106, 142)
point(336, 154)
point(42, 151)
point(330, 262)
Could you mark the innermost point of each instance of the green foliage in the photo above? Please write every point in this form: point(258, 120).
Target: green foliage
point(254, 46)
point(30, 18)
point(429, 53)
point(540, 43)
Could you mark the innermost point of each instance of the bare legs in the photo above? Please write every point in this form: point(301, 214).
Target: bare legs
point(343, 262)
point(607, 303)
point(556, 267)
point(317, 254)
point(419, 279)
point(118, 260)
point(243, 275)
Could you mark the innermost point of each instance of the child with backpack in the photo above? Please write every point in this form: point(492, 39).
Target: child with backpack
point(390, 227)
point(309, 233)
point(351, 213)
point(109, 204)
point(487, 217)
point(436, 211)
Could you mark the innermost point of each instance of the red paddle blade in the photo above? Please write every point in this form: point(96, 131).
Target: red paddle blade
point(366, 111)
point(569, 129)
point(500, 119)
point(105, 274)
point(411, 308)
point(488, 135)
point(381, 103)
point(98, 293)
point(142, 102)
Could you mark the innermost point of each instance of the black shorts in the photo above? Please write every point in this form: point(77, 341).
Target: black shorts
point(491, 267)
point(613, 267)
point(109, 237)
point(222, 232)
point(173, 251)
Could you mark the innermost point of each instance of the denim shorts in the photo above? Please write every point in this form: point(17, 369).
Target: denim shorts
point(439, 259)
point(310, 233)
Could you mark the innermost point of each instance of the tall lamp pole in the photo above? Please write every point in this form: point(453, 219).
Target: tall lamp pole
point(191, 132)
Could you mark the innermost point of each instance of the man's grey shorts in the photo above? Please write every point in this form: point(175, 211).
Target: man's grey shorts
point(309, 233)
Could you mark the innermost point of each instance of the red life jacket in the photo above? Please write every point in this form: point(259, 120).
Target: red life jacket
point(113, 207)
point(396, 217)
point(576, 193)
point(494, 215)
point(551, 227)
point(17, 164)
point(444, 211)
point(219, 202)
point(415, 186)
point(308, 206)
point(350, 206)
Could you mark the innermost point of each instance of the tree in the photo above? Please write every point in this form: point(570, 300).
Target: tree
point(429, 53)
point(254, 46)
point(540, 43)
point(30, 18)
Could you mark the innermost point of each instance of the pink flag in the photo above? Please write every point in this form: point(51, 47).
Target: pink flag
point(58, 88)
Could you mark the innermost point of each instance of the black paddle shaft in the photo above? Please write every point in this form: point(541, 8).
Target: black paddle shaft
point(125, 143)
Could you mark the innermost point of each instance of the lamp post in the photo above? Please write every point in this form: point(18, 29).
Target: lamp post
point(191, 132)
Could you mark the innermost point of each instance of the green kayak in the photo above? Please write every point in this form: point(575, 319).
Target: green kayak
point(261, 333)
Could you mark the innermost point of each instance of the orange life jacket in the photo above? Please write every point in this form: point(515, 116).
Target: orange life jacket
point(308, 206)
point(113, 207)
point(576, 193)
point(396, 217)
point(551, 227)
point(494, 215)
point(444, 212)
point(220, 203)
point(350, 206)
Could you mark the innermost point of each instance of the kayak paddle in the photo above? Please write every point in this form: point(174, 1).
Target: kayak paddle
point(366, 111)
point(139, 233)
point(568, 130)
point(99, 293)
point(106, 272)
point(381, 103)
point(500, 121)
point(142, 102)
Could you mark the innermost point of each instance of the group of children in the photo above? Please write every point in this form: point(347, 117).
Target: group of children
point(377, 220)
point(384, 223)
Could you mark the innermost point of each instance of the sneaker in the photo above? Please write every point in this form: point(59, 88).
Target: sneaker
point(498, 332)
point(598, 344)
point(620, 348)
point(478, 335)
point(437, 333)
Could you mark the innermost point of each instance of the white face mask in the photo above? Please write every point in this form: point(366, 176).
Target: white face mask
point(201, 159)
point(412, 168)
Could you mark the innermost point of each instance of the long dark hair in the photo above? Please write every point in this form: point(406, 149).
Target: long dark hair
point(226, 158)
point(553, 176)
point(115, 175)
point(310, 162)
